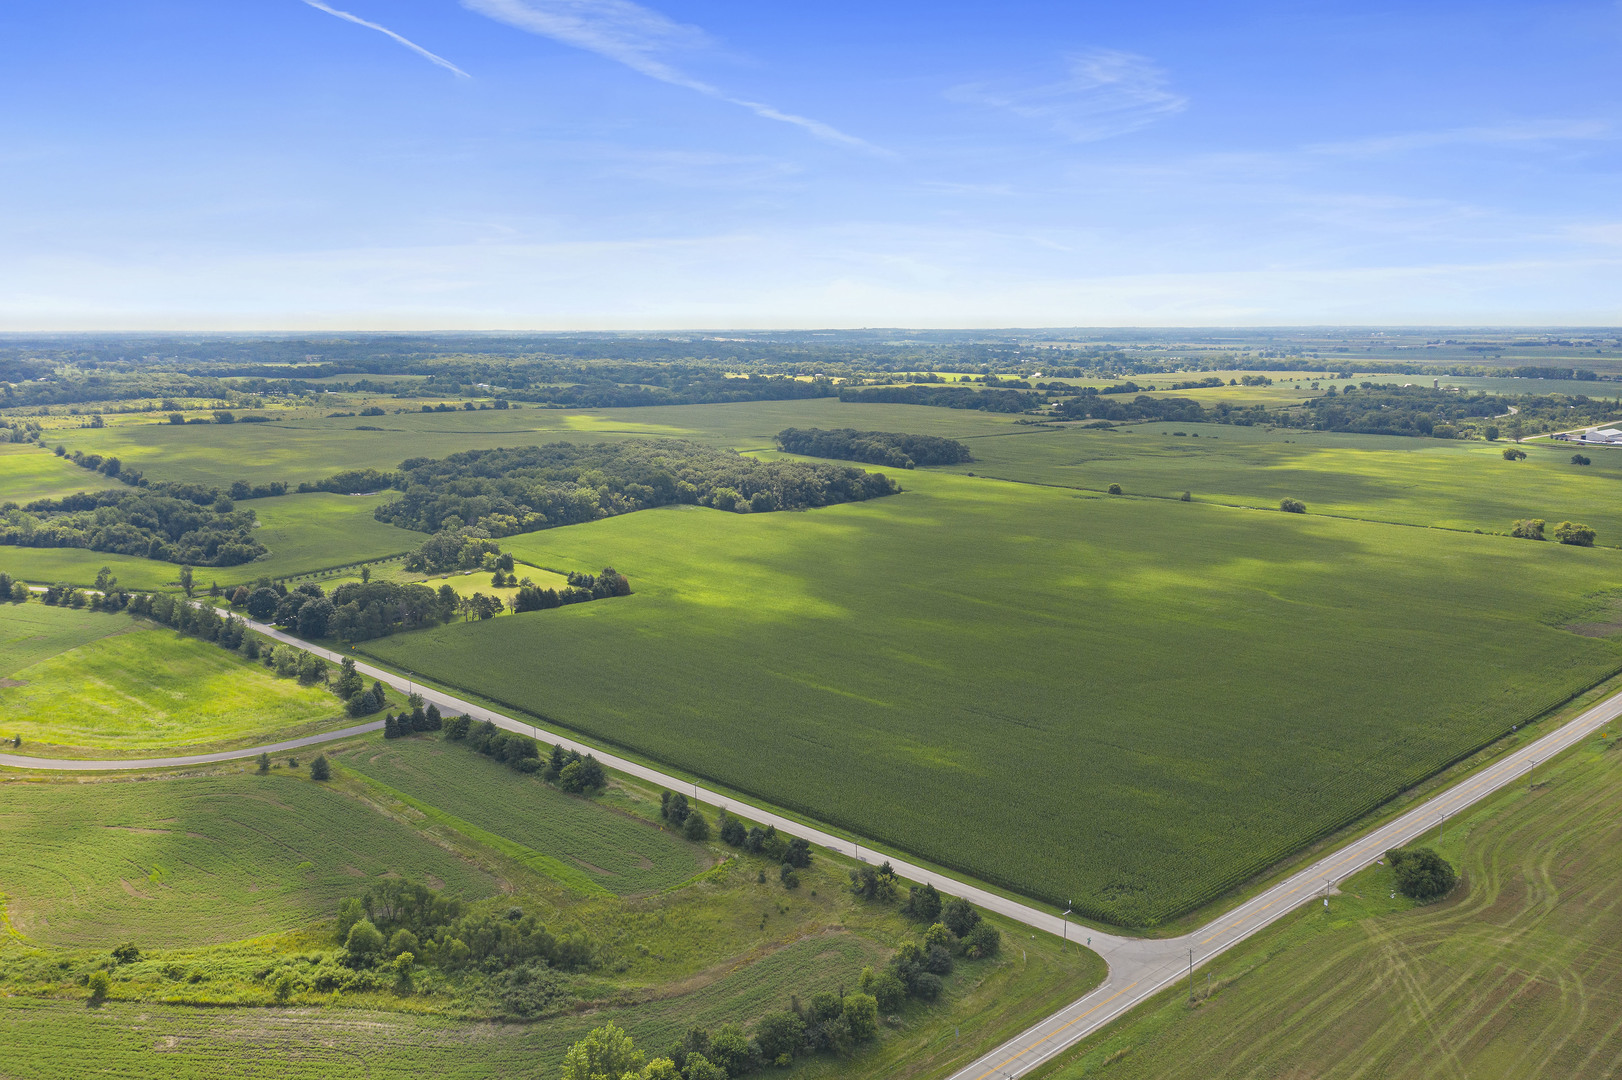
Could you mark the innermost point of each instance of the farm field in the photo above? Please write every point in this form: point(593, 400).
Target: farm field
point(29, 472)
point(934, 669)
point(314, 448)
point(1515, 975)
point(175, 861)
point(1455, 485)
point(117, 686)
point(30, 633)
point(611, 850)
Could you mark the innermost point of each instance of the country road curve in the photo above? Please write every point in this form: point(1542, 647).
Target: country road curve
point(1138, 967)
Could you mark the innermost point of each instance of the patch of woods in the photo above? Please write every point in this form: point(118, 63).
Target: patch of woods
point(1109, 404)
point(1389, 409)
point(567, 770)
point(363, 610)
point(504, 492)
point(1567, 532)
point(172, 522)
point(891, 448)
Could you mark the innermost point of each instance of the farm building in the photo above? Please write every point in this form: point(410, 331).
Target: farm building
point(1607, 436)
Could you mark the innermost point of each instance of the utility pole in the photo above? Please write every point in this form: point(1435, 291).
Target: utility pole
point(1191, 976)
point(1065, 918)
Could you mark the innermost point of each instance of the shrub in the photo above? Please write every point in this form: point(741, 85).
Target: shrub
point(1187, 496)
point(1292, 506)
point(1513, 454)
point(364, 939)
point(696, 828)
point(1570, 532)
point(889, 991)
point(100, 985)
point(320, 769)
point(1421, 873)
point(734, 1051)
point(1580, 459)
point(1528, 529)
point(923, 904)
point(862, 1014)
point(984, 940)
point(960, 917)
point(1115, 489)
point(127, 953)
point(778, 1034)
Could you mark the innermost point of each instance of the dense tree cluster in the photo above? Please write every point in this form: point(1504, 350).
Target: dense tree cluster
point(568, 770)
point(1422, 874)
point(1389, 409)
point(891, 448)
point(399, 920)
point(946, 397)
point(162, 525)
point(511, 491)
point(464, 548)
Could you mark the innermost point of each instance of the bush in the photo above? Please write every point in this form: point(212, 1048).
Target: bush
point(734, 1051)
point(983, 941)
point(100, 985)
point(960, 917)
point(1422, 874)
point(696, 828)
point(1580, 459)
point(1528, 529)
point(1115, 489)
point(457, 727)
point(889, 991)
point(127, 953)
point(778, 1034)
point(732, 830)
point(320, 769)
point(862, 1014)
point(1513, 454)
point(364, 940)
point(1292, 506)
point(1570, 532)
point(923, 904)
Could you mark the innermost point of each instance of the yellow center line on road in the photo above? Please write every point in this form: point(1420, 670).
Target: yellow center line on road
point(1055, 1031)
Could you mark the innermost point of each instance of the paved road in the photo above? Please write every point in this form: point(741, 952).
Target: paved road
point(1138, 967)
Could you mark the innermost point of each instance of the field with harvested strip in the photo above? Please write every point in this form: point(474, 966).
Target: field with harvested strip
point(187, 861)
point(1515, 975)
point(599, 849)
point(89, 683)
point(1132, 704)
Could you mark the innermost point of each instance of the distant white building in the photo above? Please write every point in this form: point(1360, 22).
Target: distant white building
point(1608, 436)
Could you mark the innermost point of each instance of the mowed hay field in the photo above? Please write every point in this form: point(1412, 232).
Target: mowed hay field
point(29, 472)
point(185, 861)
point(1515, 976)
point(1436, 482)
point(98, 681)
point(608, 850)
point(1132, 704)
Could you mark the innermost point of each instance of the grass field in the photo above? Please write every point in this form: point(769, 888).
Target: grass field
point(178, 861)
point(30, 633)
point(116, 686)
point(615, 851)
point(30, 472)
point(1456, 485)
point(941, 669)
point(1515, 976)
point(313, 448)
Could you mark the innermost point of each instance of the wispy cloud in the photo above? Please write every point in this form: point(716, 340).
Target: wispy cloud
point(1502, 135)
point(412, 45)
point(1107, 93)
point(642, 39)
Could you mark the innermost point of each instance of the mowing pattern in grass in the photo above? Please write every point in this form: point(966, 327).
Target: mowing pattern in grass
point(29, 472)
point(30, 633)
point(1517, 975)
point(620, 853)
point(137, 688)
point(189, 861)
point(1130, 704)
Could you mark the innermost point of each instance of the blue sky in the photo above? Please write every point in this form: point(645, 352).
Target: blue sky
point(564, 164)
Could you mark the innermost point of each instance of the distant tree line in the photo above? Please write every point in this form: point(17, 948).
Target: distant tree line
point(891, 448)
point(946, 397)
point(520, 490)
point(567, 770)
